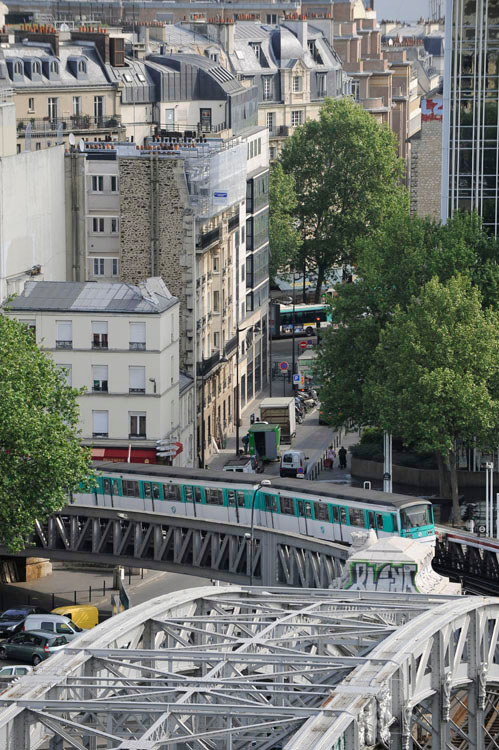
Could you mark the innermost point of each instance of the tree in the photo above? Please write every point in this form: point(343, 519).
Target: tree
point(41, 459)
point(347, 179)
point(284, 237)
point(435, 375)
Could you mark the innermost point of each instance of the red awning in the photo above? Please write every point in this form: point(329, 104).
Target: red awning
point(137, 455)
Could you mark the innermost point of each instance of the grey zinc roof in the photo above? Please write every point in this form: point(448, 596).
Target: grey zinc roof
point(96, 73)
point(81, 296)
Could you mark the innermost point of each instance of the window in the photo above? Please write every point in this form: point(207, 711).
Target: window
point(98, 266)
point(54, 67)
point(356, 90)
point(64, 338)
point(31, 326)
point(271, 121)
point(82, 68)
point(356, 517)
point(137, 379)
point(61, 627)
point(31, 104)
point(66, 373)
point(137, 421)
point(37, 68)
point(111, 487)
point(379, 520)
point(287, 506)
point(272, 153)
point(297, 84)
point(321, 512)
point(98, 107)
point(137, 336)
point(76, 106)
point(100, 424)
point(115, 266)
point(267, 88)
point(321, 84)
point(53, 107)
point(255, 46)
point(296, 118)
point(304, 508)
point(97, 183)
point(216, 301)
point(97, 225)
point(114, 184)
point(115, 226)
point(216, 263)
point(205, 117)
point(131, 488)
point(214, 497)
point(38, 146)
point(18, 68)
point(172, 492)
point(99, 334)
point(99, 378)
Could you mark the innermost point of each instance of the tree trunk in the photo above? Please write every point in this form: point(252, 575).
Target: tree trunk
point(456, 512)
point(445, 489)
point(320, 280)
point(304, 283)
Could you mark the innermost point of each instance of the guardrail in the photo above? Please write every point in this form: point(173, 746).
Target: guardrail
point(317, 464)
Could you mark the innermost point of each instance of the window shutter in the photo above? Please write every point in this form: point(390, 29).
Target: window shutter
point(99, 372)
point(137, 377)
point(64, 330)
point(100, 420)
point(138, 333)
point(99, 326)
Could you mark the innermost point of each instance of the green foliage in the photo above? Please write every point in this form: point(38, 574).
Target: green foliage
point(284, 237)
point(347, 179)
point(40, 456)
point(368, 451)
point(371, 435)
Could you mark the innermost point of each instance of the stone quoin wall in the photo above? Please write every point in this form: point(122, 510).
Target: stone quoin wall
point(426, 161)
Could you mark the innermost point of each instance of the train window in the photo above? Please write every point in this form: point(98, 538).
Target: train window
point(321, 511)
point(343, 515)
point(111, 487)
point(214, 497)
point(287, 506)
point(270, 502)
point(357, 517)
point(415, 516)
point(241, 499)
point(335, 513)
point(130, 488)
point(379, 520)
point(188, 494)
point(232, 498)
point(147, 489)
point(198, 495)
point(156, 491)
point(304, 509)
point(171, 492)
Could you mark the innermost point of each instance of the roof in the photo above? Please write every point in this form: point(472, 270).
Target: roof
point(185, 381)
point(151, 296)
point(96, 71)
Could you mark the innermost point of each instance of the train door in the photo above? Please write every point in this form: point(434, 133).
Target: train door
point(232, 507)
point(372, 522)
point(304, 514)
point(339, 521)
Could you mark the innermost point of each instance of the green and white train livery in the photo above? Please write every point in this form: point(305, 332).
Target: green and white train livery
point(317, 509)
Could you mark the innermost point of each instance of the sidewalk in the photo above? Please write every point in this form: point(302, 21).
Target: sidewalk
point(343, 476)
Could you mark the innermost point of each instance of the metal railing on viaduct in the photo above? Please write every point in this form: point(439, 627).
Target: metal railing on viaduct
point(222, 551)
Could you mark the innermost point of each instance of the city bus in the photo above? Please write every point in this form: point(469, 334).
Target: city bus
point(306, 318)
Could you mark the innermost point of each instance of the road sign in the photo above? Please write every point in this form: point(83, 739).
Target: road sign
point(284, 366)
point(310, 342)
point(168, 448)
point(481, 529)
point(303, 344)
point(296, 379)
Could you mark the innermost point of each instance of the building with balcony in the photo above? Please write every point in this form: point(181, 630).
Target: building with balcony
point(121, 343)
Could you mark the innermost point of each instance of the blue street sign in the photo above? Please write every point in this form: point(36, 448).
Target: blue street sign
point(309, 342)
point(220, 194)
point(284, 366)
point(296, 379)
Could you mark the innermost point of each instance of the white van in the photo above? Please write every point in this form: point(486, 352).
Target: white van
point(57, 624)
point(245, 465)
point(293, 464)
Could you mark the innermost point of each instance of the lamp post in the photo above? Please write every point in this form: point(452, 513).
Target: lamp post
point(263, 483)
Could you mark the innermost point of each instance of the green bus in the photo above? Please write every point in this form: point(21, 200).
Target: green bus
point(304, 318)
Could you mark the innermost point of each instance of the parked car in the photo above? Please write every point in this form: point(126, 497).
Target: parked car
point(32, 647)
point(17, 670)
point(86, 616)
point(293, 464)
point(56, 624)
point(11, 621)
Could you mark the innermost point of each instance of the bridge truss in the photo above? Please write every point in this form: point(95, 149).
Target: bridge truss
point(269, 669)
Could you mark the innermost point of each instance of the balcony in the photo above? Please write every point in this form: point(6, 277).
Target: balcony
point(206, 365)
point(74, 124)
point(137, 346)
point(136, 390)
point(231, 345)
point(209, 238)
point(233, 222)
point(63, 344)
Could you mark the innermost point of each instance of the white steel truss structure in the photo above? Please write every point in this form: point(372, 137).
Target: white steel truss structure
point(270, 669)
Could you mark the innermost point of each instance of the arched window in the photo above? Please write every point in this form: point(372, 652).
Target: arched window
point(54, 67)
point(18, 68)
point(37, 68)
point(82, 66)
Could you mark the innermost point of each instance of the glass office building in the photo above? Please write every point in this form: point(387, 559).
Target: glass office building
point(470, 159)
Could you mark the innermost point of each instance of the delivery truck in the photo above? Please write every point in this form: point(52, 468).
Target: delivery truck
point(280, 411)
point(265, 441)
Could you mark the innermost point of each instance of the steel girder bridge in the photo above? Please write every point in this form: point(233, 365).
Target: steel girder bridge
point(237, 668)
point(222, 551)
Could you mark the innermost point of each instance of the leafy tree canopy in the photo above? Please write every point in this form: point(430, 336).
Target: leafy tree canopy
point(284, 237)
point(41, 459)
point(347, 179)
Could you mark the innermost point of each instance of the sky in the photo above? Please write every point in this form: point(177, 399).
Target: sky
point(402, 10)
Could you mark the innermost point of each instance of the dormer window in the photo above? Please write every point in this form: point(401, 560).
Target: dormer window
point(18, 68)
point(54, 66)
point(37, 68)
point(297, 84)
point(82, 66)
point(256, 47)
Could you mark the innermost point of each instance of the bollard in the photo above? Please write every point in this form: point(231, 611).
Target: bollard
point(75, 597)
point(53, 601)
point(89, 593)
point(104, 587)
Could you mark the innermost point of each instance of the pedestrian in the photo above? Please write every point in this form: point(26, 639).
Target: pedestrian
point(342, 454)
point(331, 455)
point(245, 441)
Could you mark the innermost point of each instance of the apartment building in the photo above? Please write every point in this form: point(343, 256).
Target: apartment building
point(32, 216)
point(121, 343)
point(177, 208)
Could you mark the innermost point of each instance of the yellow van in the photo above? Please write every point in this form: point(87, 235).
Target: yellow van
point(84, 615)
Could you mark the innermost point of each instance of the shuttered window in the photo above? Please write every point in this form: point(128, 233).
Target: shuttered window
point(137, 335)
point(137, 379)
point(100, 423)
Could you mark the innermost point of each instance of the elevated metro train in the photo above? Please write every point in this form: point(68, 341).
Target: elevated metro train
point(318, 509)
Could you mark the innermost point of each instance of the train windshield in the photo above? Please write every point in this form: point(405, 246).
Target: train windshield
point(415, 516)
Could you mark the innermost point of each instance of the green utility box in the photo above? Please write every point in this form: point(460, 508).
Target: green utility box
point(265, 441)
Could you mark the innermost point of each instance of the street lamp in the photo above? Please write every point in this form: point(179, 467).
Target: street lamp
point(263, 483)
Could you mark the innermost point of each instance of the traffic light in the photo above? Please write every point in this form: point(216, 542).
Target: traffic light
point(318, 322)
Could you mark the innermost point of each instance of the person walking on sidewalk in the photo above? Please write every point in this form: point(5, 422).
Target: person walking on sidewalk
point(331, 455)
point(245, 442)
point(342, 454)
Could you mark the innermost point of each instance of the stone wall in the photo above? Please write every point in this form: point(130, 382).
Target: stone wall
point(424, 478)
point(426, 164)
